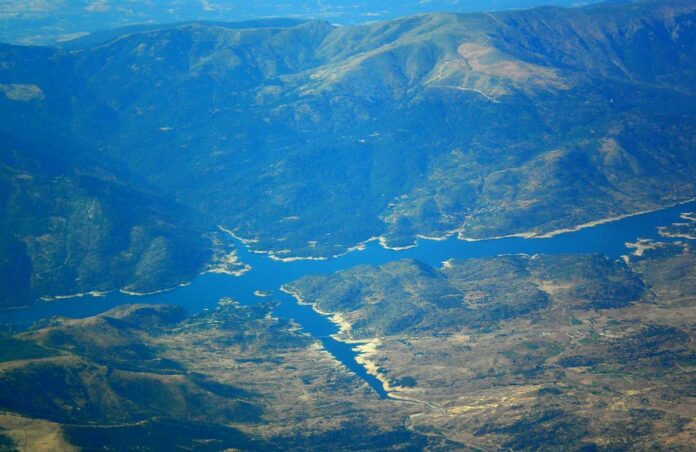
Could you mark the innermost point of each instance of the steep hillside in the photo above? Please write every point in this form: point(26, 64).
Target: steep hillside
point(68, 226)
point(310, 138)
point(67, 233)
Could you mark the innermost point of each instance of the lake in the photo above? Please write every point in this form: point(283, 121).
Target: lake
point(268, 275)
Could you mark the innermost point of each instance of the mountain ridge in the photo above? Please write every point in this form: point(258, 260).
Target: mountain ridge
point(312, 138)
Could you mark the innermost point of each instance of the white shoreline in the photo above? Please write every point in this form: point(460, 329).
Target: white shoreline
point(640, 246)
point(235, 236)
point(383, 241)
point(364, 348)
point(669, 235)
point(609, 220)
point(154, 292)
point(224, 271)
point(337, 319)
point(102, 294)
point(94, 293)
point(688, 216)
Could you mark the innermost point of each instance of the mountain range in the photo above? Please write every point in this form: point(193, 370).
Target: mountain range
point(122, 152)
point(42, 22)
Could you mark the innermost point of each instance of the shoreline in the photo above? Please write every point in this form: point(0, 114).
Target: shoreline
point(15, 308)
point(224, 271)
point(364, 348)
point(686, 216)
point(668, 235)
point(337, 319)
point(609, 220)
point(226, 262)
point(364, 352)
point(384, 241)
point(93, 293)
point(640, 246)
point(154, 292)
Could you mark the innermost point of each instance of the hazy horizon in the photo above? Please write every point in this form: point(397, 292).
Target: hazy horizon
point(44, 23)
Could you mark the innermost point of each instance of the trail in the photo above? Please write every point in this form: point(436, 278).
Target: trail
point(410, 425)
point(438, 77)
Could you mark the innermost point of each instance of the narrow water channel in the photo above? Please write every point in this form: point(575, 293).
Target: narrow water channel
point(268, 275)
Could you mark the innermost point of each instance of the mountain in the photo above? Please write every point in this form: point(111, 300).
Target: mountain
point(70, 225)
point(23, 22)
point(309, 138)
point(130, 158)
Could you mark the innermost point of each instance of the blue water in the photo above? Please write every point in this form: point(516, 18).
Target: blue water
point(268, 275)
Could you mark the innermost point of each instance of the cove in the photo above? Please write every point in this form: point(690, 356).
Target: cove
point(268, 275)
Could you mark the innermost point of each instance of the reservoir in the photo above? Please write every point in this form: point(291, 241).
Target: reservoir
point(268, 275)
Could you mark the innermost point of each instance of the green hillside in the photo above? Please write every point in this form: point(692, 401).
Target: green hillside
point(311, 138)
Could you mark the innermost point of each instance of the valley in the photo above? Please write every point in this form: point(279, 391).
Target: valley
point(305, 138)
point(350, 230)
point(516, 349)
